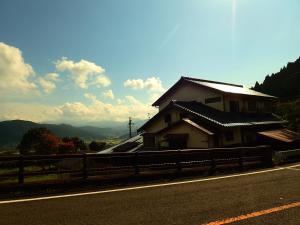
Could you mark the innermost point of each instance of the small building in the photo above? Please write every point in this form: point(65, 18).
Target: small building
point(196, 113)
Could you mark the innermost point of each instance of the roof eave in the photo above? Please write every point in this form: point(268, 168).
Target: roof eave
point(155, 116)
point(156, 103)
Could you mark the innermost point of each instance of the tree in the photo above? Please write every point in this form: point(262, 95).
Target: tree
point(77, 142)
point(290, 111)
point(96, 146)
point(39, 141)
point(66, 147)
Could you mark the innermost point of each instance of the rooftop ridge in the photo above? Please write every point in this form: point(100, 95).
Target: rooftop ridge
point(211, 81)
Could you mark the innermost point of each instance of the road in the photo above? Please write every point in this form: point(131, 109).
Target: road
point(273, 197)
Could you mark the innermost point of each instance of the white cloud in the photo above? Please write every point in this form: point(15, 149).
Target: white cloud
point(74, 109)
point(99, 111)
point(48, 82)
point(15, 74)
point(90, 96)
point(79, 112)
point(81, 71)
point(47, 85)
point(134, 83)
point(109, 94)
point(153, 84)
point(120, 101)
point(102, 81)
point(52, 76)
point(33, 112)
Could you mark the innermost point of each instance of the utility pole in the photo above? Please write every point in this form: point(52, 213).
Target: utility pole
point(130, 124)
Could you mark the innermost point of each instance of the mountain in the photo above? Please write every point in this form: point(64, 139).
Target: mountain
point(12, 131)
point(283, 84)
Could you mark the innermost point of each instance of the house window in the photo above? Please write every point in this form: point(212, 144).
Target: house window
point(149, 140)
point(213, 100)
point(268, 106)
point(168, 118)
point(249, 138)
point(182, 115)
point(229, 136)
point(252, 106)
point(234, 106)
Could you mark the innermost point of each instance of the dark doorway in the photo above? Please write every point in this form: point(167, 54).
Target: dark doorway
point(234, 106)
point(177, 141)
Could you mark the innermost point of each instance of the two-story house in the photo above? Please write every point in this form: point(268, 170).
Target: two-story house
point(196, 113)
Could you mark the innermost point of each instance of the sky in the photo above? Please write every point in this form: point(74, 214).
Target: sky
point(91, 61)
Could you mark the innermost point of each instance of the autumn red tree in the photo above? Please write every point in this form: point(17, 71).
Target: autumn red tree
point(39, 141)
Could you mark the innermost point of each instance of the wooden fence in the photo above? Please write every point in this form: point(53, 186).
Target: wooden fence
point(86, 165)
point(287, 156)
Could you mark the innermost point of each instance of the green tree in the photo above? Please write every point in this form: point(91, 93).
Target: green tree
point(96, 146)
point(290, 111)
point(66, 147)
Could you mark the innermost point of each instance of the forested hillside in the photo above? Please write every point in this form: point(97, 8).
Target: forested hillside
point(12, 131)
point(285, 84)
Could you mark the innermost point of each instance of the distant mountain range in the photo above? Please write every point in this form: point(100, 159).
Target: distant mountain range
point(12, 131)
point(285, 84)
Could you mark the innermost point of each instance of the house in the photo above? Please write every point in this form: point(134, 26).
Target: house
point(196, 113)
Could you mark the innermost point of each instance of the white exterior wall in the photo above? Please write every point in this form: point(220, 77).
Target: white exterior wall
point(189, 92)
point(196, 138)
point(159, 123)
point(237, 137)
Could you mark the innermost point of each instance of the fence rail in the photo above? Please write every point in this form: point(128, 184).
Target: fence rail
point(86, 165)
point(287, 156)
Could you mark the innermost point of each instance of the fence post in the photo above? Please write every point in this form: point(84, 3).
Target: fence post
point(178, 160)
point(84, 166)
point(136, 164)
point(213, 163)
point(241, 160)
point(21, 170)
point(267, 158)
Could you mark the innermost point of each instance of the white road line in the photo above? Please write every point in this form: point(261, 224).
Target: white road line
point(142, 187)
point(293, 169)
point(297, 165)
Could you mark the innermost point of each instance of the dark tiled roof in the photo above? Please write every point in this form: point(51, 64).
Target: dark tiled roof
point(189, 122)
point(220, 118)
point(227, 119)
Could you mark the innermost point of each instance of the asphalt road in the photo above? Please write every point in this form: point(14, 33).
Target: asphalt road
point(192, 203)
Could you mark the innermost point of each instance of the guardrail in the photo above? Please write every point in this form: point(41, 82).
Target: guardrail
point(86, 165)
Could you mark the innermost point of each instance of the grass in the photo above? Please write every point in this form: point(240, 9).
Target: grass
point(111, 141)
point(32, 179)
point(8, 171)
point(13, 172)
point(4, 171)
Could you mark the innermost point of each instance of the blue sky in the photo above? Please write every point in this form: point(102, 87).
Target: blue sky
point(137, 48)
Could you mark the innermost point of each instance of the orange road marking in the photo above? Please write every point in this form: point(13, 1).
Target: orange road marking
point(254, 214)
